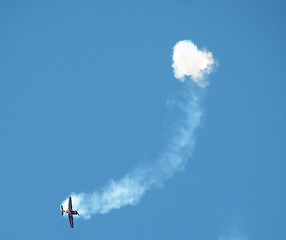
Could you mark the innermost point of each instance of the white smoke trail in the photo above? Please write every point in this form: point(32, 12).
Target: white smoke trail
point(234, 233)
point(132, 187)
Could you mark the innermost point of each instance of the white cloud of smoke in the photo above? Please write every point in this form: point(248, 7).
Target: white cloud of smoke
point(131, 188)
point(188, 60)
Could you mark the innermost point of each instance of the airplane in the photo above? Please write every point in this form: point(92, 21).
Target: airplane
point(69, 211)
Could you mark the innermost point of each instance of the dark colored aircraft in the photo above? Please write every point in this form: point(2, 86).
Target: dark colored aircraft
point(69, 211)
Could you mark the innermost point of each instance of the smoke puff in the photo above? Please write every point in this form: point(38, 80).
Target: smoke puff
point(188, 60)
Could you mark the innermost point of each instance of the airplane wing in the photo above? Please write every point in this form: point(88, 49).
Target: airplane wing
point(70, 204)
point(71, 221)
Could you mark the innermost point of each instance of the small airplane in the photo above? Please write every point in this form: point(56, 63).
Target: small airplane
point(69, 211)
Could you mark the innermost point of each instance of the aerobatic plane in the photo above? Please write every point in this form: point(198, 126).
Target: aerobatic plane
point(69, 211)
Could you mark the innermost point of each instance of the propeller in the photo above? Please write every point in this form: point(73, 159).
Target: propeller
point(62, 210)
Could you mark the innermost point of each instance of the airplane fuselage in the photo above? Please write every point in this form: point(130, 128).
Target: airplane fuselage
point(70, 212)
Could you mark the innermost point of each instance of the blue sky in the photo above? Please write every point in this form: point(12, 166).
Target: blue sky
point(84, 90)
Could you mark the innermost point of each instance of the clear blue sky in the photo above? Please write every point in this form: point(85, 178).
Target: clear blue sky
point(83, 99)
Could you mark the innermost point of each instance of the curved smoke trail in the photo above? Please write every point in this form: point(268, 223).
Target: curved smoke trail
point(188, 60)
